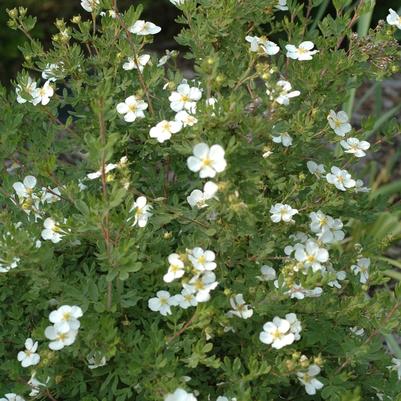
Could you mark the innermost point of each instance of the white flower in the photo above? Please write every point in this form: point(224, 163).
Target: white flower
point(239, 307)
point(340, 178)
point(285, 139)
point(394, 19)
point(180, 395)
point(355, 146)
point(185, 98)
point(177, 2)
point(340, 276)
point(5, 268)
point(65, 318)
point(176, 268)
point(277, 333)
point(109, 167)
point(254, 41)
point(358, 331)
point(201, 285)
point(282, 5)
point(224, 398)
point(282, 93)
point(60, 339)
point(309, 381)
point(25, 189)
point(282, 212)
point(29, 357)
point(35, 385)
point(89, 5)
point(162, 303)
point(96, 360)
point(303, 52)
point(269, 47)
point(185, 118)
point(163, 60)
point(186, 299)
point(132, 108)
point(52, 231)
point(328, 230)
point(53, 71)
point(142, 27)
point(295, 325)
point(396, 366)
point(198, 198)
point(314, 168)
point(207, 161)
point(42, 95)
point(11, 397)
point(202, 260)
point(164, 129)
point(359, 186)
point(268, 273)
point(50, 195)
point(339, 122)
point(131, 64)
point(142, 212)
point(362, 268)
point(311, 255)
point(27, 89)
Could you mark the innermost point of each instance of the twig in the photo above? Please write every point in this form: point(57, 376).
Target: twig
point(183, 328)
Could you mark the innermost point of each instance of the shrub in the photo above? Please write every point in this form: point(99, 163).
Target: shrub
point(172, 239)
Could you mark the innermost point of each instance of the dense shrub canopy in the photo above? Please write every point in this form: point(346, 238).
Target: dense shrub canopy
point(177, 239)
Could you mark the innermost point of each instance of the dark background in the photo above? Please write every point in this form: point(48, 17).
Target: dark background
point(161, 12)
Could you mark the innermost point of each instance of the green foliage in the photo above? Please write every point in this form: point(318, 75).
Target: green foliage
point(110, 266)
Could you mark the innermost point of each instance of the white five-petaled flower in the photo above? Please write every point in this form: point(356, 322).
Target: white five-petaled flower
point(162, 303)
point(201, 285)
point(207, 161)
point(339, 122)
point(362, 268)
point(131, 64)
point(29, 357)
point(254, 41)
point(176, 268)
point(314, 168)
point(282, 212)
point(198, 198)
point(355, 146)
point(27, 89)
point(295, 325)
point(202, 260)
point(311, 255)
point(303, 52)
point(12, 397)
point(132, 108)
point(309, 380)
point(239, 307)
point(143, 28)
point(268, 273)
point(277, 333)
point(394, 19)
point(256, 44)
point(52, 231)
point(282, 5)
point(25, 189)
point(185, 98)
point(180, 395)
point(60, 339)
point(142, 212)
point(164, 129)
point(90, 5)
point(107, 168)
point(186, 299)
point(65, 318)
point(284, 138)
point(42, 95)
point(340, 178)
point(185, 118)
point(327, 229)
point(282, 93)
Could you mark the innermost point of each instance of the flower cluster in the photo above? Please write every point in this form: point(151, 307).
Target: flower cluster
point(65, 326)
